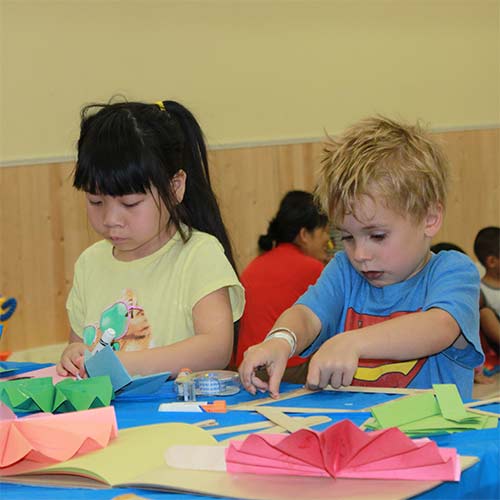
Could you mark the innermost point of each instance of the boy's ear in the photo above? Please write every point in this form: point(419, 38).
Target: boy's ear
point(433, 220)
point(179, 185)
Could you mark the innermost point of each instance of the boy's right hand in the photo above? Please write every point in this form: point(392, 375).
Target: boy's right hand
point(71, 362)
point(272, 355)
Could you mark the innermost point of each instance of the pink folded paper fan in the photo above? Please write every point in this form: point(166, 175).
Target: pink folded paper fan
point(31, 442)
point(344, 451)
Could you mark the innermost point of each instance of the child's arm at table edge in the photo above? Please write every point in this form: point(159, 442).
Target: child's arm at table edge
point(210, 347)
point(412, 336)
point(274, 353)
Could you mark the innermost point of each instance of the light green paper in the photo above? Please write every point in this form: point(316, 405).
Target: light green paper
point(439, 423)
point(450, 403)
point(425, 414)
point(405, 410)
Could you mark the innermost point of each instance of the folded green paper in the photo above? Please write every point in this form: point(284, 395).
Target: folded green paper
point(426, 414)
point(40, 394)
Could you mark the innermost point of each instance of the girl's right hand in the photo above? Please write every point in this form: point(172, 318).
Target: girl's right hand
point(271, 355)
point(71, 362)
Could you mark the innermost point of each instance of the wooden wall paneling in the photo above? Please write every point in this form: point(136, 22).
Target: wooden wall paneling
point(246, 184)
point(250, 183)
point(298, 166)
point(474, 200)
point(43, 227)
point(10, 254)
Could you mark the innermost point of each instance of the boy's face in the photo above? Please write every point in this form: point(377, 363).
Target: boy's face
point(385, 247)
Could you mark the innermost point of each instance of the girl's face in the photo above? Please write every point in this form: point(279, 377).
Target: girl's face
point(135, 224)
point(385, 247)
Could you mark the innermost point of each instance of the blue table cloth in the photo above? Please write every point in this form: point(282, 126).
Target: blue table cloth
point(481, 481)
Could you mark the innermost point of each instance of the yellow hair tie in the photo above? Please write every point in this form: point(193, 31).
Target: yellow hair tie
point(160, 105)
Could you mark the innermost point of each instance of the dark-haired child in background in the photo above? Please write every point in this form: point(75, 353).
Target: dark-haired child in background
point(487, 250)
point(165, 261)
point(294, 252)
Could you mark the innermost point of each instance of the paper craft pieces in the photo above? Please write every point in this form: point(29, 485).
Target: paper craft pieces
point(217, 406)
point(40, 394)
point(182, 406)
point(344, 450)
point(429, 414)
point(49, 371)
point(34, 441)
point(4, 372)
point(136, 450)
point(106, 362)
point(113, 466)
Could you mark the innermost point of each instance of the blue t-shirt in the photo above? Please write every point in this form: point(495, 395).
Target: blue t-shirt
point(343, 300)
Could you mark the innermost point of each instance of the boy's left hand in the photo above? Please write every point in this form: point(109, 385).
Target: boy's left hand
point(335, 363)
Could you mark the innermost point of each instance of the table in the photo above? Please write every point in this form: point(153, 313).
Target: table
point(481, 481)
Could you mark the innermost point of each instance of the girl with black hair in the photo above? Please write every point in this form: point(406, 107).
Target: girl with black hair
point(162, 281)
point(294, 252)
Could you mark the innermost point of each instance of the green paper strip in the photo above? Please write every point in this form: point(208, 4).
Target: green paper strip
point(450, 402)
point(405, 410)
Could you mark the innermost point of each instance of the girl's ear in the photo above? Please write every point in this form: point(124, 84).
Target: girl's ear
point(433, 220)
point(179, 185)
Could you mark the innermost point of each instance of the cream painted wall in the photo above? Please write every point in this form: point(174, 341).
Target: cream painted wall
point(250, 70)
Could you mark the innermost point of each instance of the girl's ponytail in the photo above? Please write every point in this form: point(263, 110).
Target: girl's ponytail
point(199, 208)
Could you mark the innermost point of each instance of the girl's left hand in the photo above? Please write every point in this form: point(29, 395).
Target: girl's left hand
point(71, 362)
point(335, 363)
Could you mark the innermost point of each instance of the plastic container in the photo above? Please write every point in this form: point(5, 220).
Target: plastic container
point(207, 383)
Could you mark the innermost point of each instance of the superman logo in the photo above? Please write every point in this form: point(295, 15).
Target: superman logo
point(381, 372)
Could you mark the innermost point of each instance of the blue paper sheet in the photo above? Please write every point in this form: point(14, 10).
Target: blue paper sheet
point(106, 362)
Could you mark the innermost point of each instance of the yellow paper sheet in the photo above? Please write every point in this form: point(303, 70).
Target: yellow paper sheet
point(135, 451)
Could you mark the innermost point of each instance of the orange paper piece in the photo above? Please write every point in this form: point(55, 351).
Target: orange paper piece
point(34, 441)
point(344, 451)
point(218, 406)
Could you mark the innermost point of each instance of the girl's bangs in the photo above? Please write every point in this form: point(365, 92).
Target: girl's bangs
point(113, 173)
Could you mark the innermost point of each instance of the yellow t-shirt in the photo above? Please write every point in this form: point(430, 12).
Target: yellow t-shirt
point(159, 290)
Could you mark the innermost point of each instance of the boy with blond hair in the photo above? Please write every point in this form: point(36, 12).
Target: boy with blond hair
point(386, 311)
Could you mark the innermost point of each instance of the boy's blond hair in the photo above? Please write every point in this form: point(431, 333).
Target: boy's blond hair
point(383, 159)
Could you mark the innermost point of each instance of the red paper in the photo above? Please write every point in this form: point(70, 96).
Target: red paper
point(344, 450)
point(41, 439)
